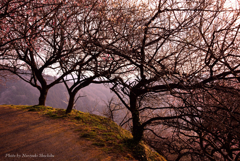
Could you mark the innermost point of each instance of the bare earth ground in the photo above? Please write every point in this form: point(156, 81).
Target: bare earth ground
point(30, 136)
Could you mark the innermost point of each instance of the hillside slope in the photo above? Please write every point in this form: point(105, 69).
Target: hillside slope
point(40, 132)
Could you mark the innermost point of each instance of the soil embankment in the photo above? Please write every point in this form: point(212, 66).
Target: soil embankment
point(30, 136)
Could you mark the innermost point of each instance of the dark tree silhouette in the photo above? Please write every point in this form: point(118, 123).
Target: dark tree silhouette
point(173, 48)
point(50, 36)
point(213, 132)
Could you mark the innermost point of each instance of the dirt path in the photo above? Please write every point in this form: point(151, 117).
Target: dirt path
point(30, 136)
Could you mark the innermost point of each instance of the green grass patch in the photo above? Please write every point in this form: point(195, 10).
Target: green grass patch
point(38, 108)
point(31, 108)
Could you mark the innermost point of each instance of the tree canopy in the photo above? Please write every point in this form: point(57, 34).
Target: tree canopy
point(165, 60)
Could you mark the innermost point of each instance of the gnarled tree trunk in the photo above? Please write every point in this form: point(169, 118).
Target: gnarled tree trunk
point(70, 102)
point(137, 129)
point(43, 96)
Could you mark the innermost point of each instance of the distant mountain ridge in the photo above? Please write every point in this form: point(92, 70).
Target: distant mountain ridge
point(92, 98)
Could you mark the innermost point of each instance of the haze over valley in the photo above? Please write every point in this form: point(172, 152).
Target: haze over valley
point(93, 98)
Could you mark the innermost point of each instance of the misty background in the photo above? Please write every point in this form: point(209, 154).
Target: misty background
point(93, 98)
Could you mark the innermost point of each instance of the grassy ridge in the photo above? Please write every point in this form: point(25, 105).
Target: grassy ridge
point(101, 131)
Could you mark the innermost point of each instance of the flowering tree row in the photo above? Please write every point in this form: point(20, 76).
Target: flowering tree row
point(156, 55)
